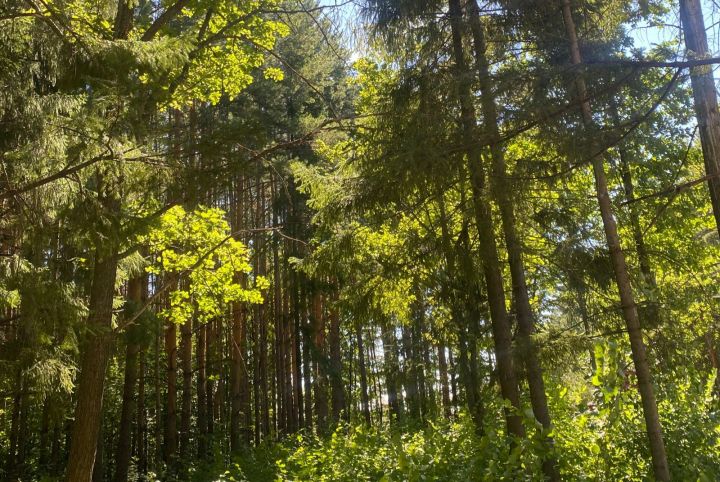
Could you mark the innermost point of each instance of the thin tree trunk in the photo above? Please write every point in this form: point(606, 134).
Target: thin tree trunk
point(364, 399)
point(444, 386)
point(123, 453)
point(336, 365)
point(297, 353)
point(629, 308)
point(319, 360)
point(170, 447)
point(202, 414)
point(307, 376)
point(468, 377)
point(502, 191)
point(141, 422)
point(209, 384)
point(392, 372)
point(453, 382)
point(502, 335)
point(186, 404)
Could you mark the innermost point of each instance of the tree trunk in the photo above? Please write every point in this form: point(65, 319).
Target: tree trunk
point(502, 335)
point(297, 354)
point(202, 414)
point(98, 468)
point(319, 360)
point(409, 374)
point(336, 365)
point(307, 376)
point(705, 97)
point(629, 308)
point(364, 399)
point(209, 384)
point(91, 381)
point(444, 386)
point(186, 404)
point(468, 377)
point(502, 191)
point(122, 456)
point(141, 422)
point(392, 372)
point(170, 447)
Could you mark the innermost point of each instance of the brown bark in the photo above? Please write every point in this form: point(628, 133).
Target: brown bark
point(364, 399)
point(501, 193)
point(392, 372)
point(409, 374)
point(468, 377)
point(319, 360)
point(170, 446)
point(306, 359)
point(91, 381)
point(500, 323)
point(122, 454)
point(209, 383)
point(186, 404)
point(202, 414)
point(705, 97)
point(336, 365)
point(444, 385)
point(627, 300)
point(297, 355)
point(141, 422)
point(236, 377)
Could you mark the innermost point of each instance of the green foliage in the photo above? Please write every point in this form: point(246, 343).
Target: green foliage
point(197, 250)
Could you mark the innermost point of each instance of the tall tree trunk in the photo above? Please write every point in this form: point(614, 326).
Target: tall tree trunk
point(650, 315)
point(202, 414)
point(502, 335)
point(453, 382)
point(364, 399)
point(409, 374)
point(444, 386)
point(236, 416)
point(170, 447)
point(336, 365)
point(501, 193)
point(186, 404)
point(236, 350)
point(462, 320)
point(705, 96)
point(291, 409)
point(319, 360)
point(158, 398)
point(392, 372)
point(122, 454)
point(219, 362)
point(297, 353)
point(306, 359)
point(627, 300)
point(95, 355)
point(377, 389)
point(141, 422)
point(209, 384)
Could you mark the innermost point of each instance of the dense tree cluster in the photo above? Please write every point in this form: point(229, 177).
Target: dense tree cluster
point(486, 248)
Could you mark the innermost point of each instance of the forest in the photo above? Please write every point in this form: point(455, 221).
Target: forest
point(359, 240)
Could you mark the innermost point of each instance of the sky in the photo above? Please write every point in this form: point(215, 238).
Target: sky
point(345, 12)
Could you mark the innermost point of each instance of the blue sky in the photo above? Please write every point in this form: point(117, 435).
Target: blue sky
point(344, 14)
